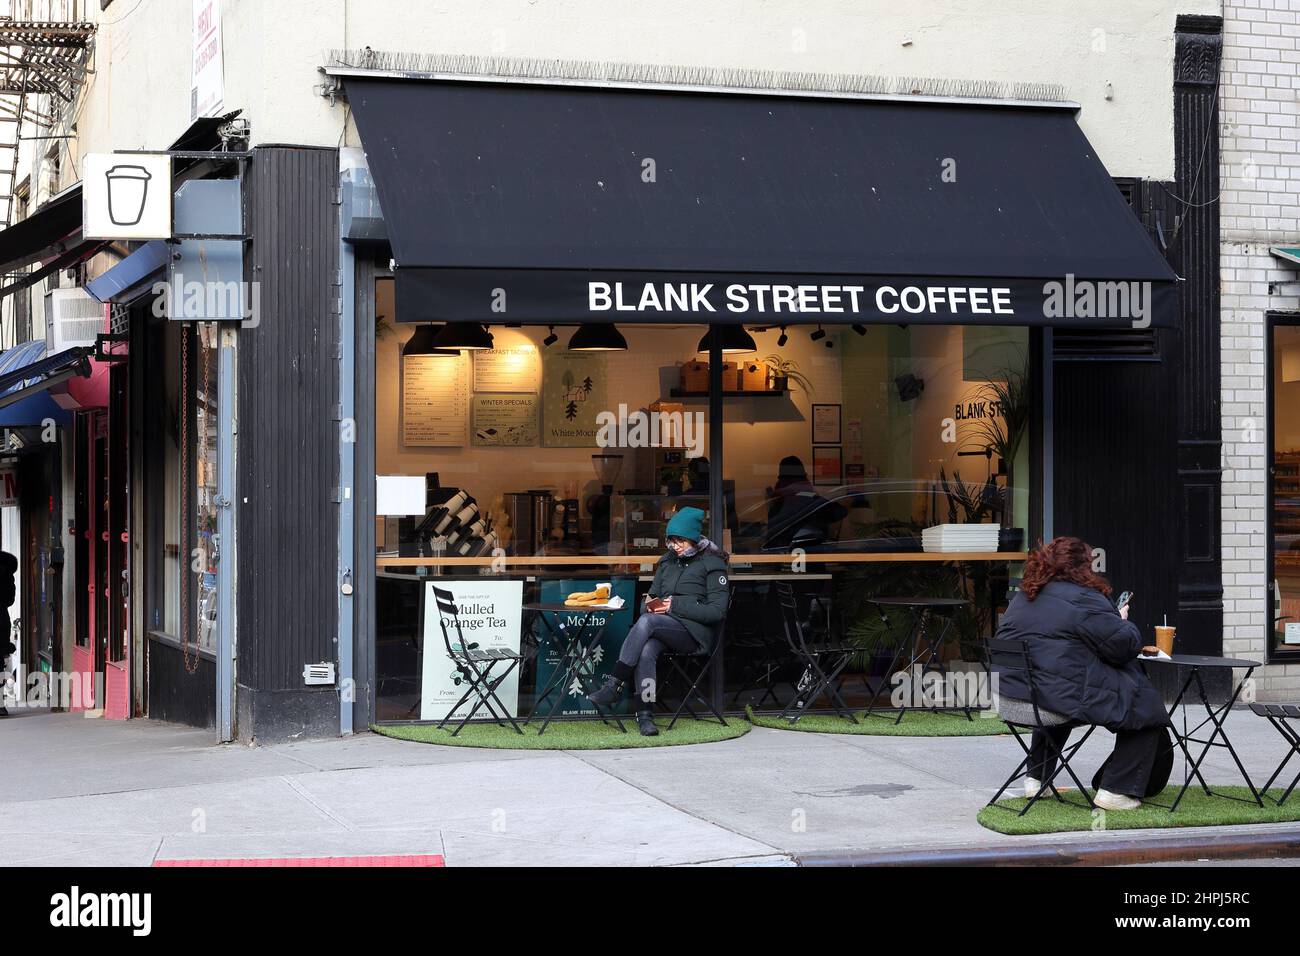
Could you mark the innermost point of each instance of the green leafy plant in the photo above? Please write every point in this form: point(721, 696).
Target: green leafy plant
point(788, 368)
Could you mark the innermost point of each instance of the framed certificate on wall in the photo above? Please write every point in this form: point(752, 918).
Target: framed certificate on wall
point(826, 424)
point(828, 465)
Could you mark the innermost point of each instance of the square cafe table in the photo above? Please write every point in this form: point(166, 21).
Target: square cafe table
point(576, 642)
point(1195, 663)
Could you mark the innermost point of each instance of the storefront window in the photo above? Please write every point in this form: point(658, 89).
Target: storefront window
point(534, 469)
point(881, 432)
point(184, 573)
point(540, 456)
point(1285, 473)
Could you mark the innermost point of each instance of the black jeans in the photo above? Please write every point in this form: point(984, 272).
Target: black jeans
point(647, 639)
point(1128, 769)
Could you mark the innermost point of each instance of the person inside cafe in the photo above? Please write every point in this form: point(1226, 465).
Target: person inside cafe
point(797, 516)
point(1084, 654)
point(683, 612)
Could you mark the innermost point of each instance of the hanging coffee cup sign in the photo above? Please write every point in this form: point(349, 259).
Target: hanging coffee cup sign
point(127, 196)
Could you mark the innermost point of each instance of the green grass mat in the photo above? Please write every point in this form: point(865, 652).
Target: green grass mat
point(1196, 810)
point(915, 724)
point(569, 734)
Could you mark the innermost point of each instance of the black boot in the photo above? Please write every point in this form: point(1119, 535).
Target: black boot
point(609, 692)
point(645, 722)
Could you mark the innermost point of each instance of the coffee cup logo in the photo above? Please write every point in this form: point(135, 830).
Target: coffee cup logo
point(128, 186)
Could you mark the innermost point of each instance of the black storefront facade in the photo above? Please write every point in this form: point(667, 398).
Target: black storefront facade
point(883, 231)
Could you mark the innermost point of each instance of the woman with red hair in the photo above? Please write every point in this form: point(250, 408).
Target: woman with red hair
point(1084, 656)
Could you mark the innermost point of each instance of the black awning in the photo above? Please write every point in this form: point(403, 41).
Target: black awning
point(555, 195)
point(51, 230)
point(74, 256)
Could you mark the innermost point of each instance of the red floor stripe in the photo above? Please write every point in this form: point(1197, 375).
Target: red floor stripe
point(430, 860)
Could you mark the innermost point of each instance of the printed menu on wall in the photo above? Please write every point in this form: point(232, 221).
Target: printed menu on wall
point(435, 400)
point(506, 419)
point(573, 394)
point(513, 368)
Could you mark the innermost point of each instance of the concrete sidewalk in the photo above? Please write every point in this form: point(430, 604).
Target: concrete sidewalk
point(77, 791)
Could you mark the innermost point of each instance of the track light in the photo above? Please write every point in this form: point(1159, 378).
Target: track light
point(818, 335)
point(860, 329)
point(550, 339)
point(780, 343)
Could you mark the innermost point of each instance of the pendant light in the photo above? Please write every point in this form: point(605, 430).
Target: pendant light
point(421, 343)
point(597, 337)
point(733, 339)
point(463, 335)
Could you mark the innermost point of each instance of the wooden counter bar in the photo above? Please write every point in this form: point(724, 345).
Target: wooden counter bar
point(736, 560)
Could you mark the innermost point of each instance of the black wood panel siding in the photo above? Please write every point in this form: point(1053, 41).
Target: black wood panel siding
point(287, 593)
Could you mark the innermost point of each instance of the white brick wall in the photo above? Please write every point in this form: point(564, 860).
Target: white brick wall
point(1259, 107)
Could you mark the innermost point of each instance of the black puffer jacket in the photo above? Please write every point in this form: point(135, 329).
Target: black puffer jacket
point(699, 589)
point(1084, 657)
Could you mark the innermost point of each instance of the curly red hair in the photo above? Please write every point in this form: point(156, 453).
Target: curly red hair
point(1061, 559)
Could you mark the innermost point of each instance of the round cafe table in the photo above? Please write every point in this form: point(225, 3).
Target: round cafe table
point(574, 632)
point(922, 611)
point(1195, 664)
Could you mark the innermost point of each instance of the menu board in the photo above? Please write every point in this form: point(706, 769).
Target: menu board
point(504, 420)
point(435, 400)
point(513, 368)
point(490, 616)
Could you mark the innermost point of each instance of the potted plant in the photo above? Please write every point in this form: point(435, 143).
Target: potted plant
point(785, 371)
point(1004, 433)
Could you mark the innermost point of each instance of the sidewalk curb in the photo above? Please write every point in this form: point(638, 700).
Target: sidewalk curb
point(1184, 848)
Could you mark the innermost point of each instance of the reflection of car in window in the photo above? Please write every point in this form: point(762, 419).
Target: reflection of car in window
point(877, 517)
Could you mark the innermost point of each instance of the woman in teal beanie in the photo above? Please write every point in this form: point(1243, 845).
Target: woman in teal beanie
point(684, 609)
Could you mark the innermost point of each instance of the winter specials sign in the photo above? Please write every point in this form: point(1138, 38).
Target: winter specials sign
point(490, 615)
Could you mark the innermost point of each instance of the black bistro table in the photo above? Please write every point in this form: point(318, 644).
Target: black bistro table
point(575, 641)
point(922, 612)
point(1195, 663)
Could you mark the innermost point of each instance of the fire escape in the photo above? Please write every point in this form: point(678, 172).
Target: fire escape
point(42, 66)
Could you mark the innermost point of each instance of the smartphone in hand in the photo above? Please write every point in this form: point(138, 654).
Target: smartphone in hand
point(1123, 600)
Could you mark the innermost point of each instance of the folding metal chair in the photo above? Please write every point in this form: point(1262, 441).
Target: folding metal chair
point(475, 665)
point(1278, 715)
point(822, 660)
point(680, 671)
point(1012, 656)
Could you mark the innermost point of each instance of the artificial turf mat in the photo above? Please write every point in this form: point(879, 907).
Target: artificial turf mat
point(1195, 810)
point(568, 734)
point(920, 723)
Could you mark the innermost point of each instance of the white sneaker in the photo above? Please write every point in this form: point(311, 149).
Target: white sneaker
point(1032, 787)
point(1115, 801)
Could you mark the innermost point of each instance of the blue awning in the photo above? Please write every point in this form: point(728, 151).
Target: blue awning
point(26, 372)
point(122, 282)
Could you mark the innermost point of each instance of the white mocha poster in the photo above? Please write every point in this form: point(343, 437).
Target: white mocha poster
point(491, 614)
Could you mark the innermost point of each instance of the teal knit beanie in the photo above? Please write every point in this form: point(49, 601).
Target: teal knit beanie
point(687, 523)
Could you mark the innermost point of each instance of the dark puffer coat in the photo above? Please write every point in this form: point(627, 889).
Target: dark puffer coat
point(698, 587)
point(1084, 657)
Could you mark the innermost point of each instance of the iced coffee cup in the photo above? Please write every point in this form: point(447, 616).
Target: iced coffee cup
point(1165, 638)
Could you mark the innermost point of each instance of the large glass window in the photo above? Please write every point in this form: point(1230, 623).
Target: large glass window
point(536, 468)
point(182, 502)
point(882, 432)
point(1284, 629)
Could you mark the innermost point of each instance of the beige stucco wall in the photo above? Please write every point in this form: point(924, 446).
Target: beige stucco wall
point(140, 94)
